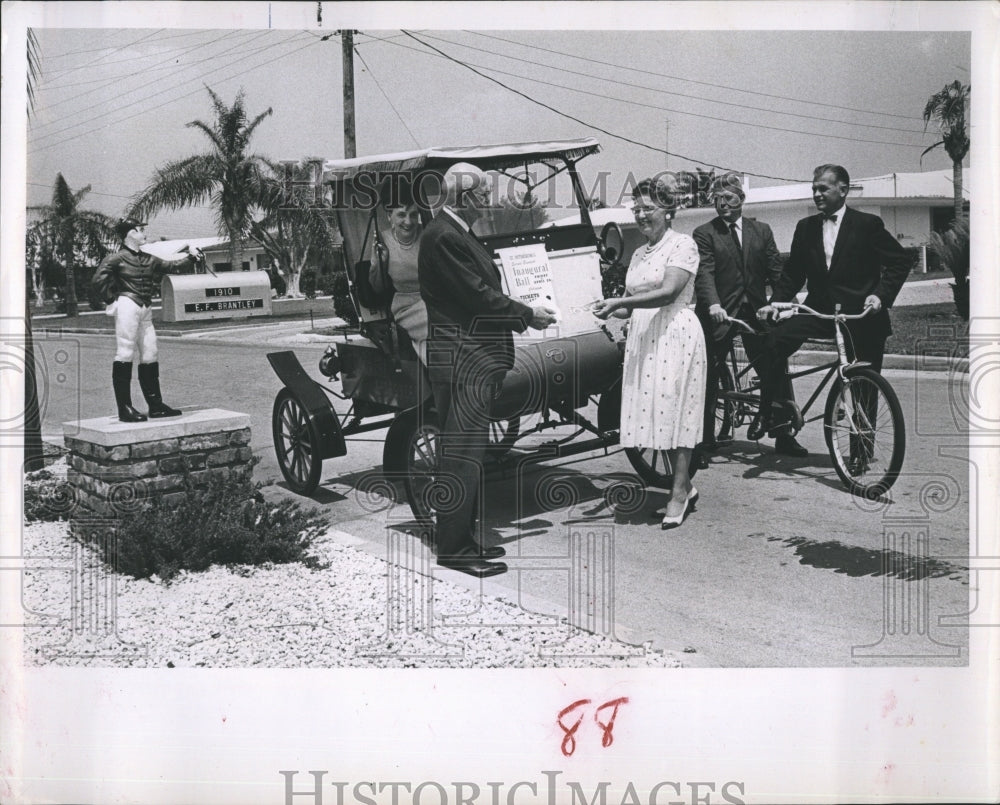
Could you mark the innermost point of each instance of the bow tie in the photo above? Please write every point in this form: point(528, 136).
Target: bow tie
point(832, 217)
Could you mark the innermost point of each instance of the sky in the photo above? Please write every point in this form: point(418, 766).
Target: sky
point(113, 103)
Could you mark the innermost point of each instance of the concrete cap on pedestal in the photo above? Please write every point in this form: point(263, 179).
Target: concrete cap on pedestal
point(109, 432)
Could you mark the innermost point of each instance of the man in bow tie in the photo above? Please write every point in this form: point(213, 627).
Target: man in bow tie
point(845, 257)
point(469, 350)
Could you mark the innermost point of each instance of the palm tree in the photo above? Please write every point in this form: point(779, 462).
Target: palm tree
point(66, 231)
point(34, 67)
point(299, 226)
point(947, 109)
point(233, 180)
point(34, 453)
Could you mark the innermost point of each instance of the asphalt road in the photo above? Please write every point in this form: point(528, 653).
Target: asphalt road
point(779, 566)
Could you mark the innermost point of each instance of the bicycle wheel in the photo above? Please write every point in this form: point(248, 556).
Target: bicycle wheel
point(725, 408)
point(865, 432)
point(744, 379)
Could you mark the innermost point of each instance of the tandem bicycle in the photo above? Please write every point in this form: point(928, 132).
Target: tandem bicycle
point(862, 420)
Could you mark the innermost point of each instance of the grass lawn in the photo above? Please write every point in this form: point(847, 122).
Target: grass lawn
point(915, 276)
point(928, 330)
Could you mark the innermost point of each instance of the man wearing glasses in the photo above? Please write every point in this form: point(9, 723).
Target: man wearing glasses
point(469, 350)
point(738, 258)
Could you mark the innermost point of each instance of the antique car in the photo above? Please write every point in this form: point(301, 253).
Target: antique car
point(565, 379)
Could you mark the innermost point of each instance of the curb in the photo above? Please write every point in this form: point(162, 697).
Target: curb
point(914, 363)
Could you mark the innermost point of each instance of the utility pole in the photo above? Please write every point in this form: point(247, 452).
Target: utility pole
point(347, 45)
point(666, 144)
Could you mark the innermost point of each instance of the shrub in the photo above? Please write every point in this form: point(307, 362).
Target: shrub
point(953, 252)
point(46, 497)
point(228, 522)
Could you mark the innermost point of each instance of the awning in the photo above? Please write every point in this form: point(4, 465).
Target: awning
point(487, 157)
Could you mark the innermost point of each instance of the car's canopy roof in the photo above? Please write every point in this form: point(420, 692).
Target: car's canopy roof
point(486, 157)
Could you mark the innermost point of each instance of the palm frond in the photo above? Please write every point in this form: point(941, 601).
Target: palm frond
point(176, 185)
point(248, 131)
point(209, 132)
point(34, 67)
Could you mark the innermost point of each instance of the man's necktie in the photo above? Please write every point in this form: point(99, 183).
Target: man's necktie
point(735, 233)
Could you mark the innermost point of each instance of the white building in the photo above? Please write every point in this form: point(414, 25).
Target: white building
point(912, 205)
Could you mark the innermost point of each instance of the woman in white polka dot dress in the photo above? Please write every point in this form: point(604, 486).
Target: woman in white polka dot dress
point(663, 382)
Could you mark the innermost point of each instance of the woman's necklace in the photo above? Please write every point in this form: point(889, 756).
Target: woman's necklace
point(404, 246)
point(652, 247)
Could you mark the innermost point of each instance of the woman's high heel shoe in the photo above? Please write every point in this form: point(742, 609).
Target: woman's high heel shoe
point(673, 522)
point(692, 499)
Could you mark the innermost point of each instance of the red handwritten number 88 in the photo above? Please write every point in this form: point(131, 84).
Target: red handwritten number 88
point(568, 745)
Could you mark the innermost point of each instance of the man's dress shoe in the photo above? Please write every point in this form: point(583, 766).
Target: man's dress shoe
point(785, 444)
point(494, 552)
point(469, 561)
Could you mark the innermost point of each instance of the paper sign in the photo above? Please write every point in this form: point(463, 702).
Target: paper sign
point(527, 275)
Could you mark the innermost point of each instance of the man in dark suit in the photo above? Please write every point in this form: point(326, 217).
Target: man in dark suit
point(469, 350)
point(846, 257)
point(738, 258)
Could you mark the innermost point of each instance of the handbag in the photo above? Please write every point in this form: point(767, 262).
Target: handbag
point(376, 295)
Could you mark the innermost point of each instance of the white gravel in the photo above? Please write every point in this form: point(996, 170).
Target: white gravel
point(283, 616)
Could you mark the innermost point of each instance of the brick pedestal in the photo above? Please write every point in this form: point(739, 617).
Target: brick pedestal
point(114, 467)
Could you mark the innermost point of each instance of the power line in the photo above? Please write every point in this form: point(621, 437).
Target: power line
point(696, 114)
point(95, 50)
point(388, 100)
point(699, 98)
point(160, 81)
point(165, 103)
point(591, 125)
point(629, 139)
point(661, 108)
point(117, 49)
point(169, 61)
point(109, 82)
point(117, 195)
point(692, 80)
point(59, 72)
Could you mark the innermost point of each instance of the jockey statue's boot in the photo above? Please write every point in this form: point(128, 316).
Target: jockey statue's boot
point(121, 380)
point(149, 382)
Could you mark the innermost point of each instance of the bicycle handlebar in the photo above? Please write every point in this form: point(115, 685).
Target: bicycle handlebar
point(798, 307)
point(730, 320)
